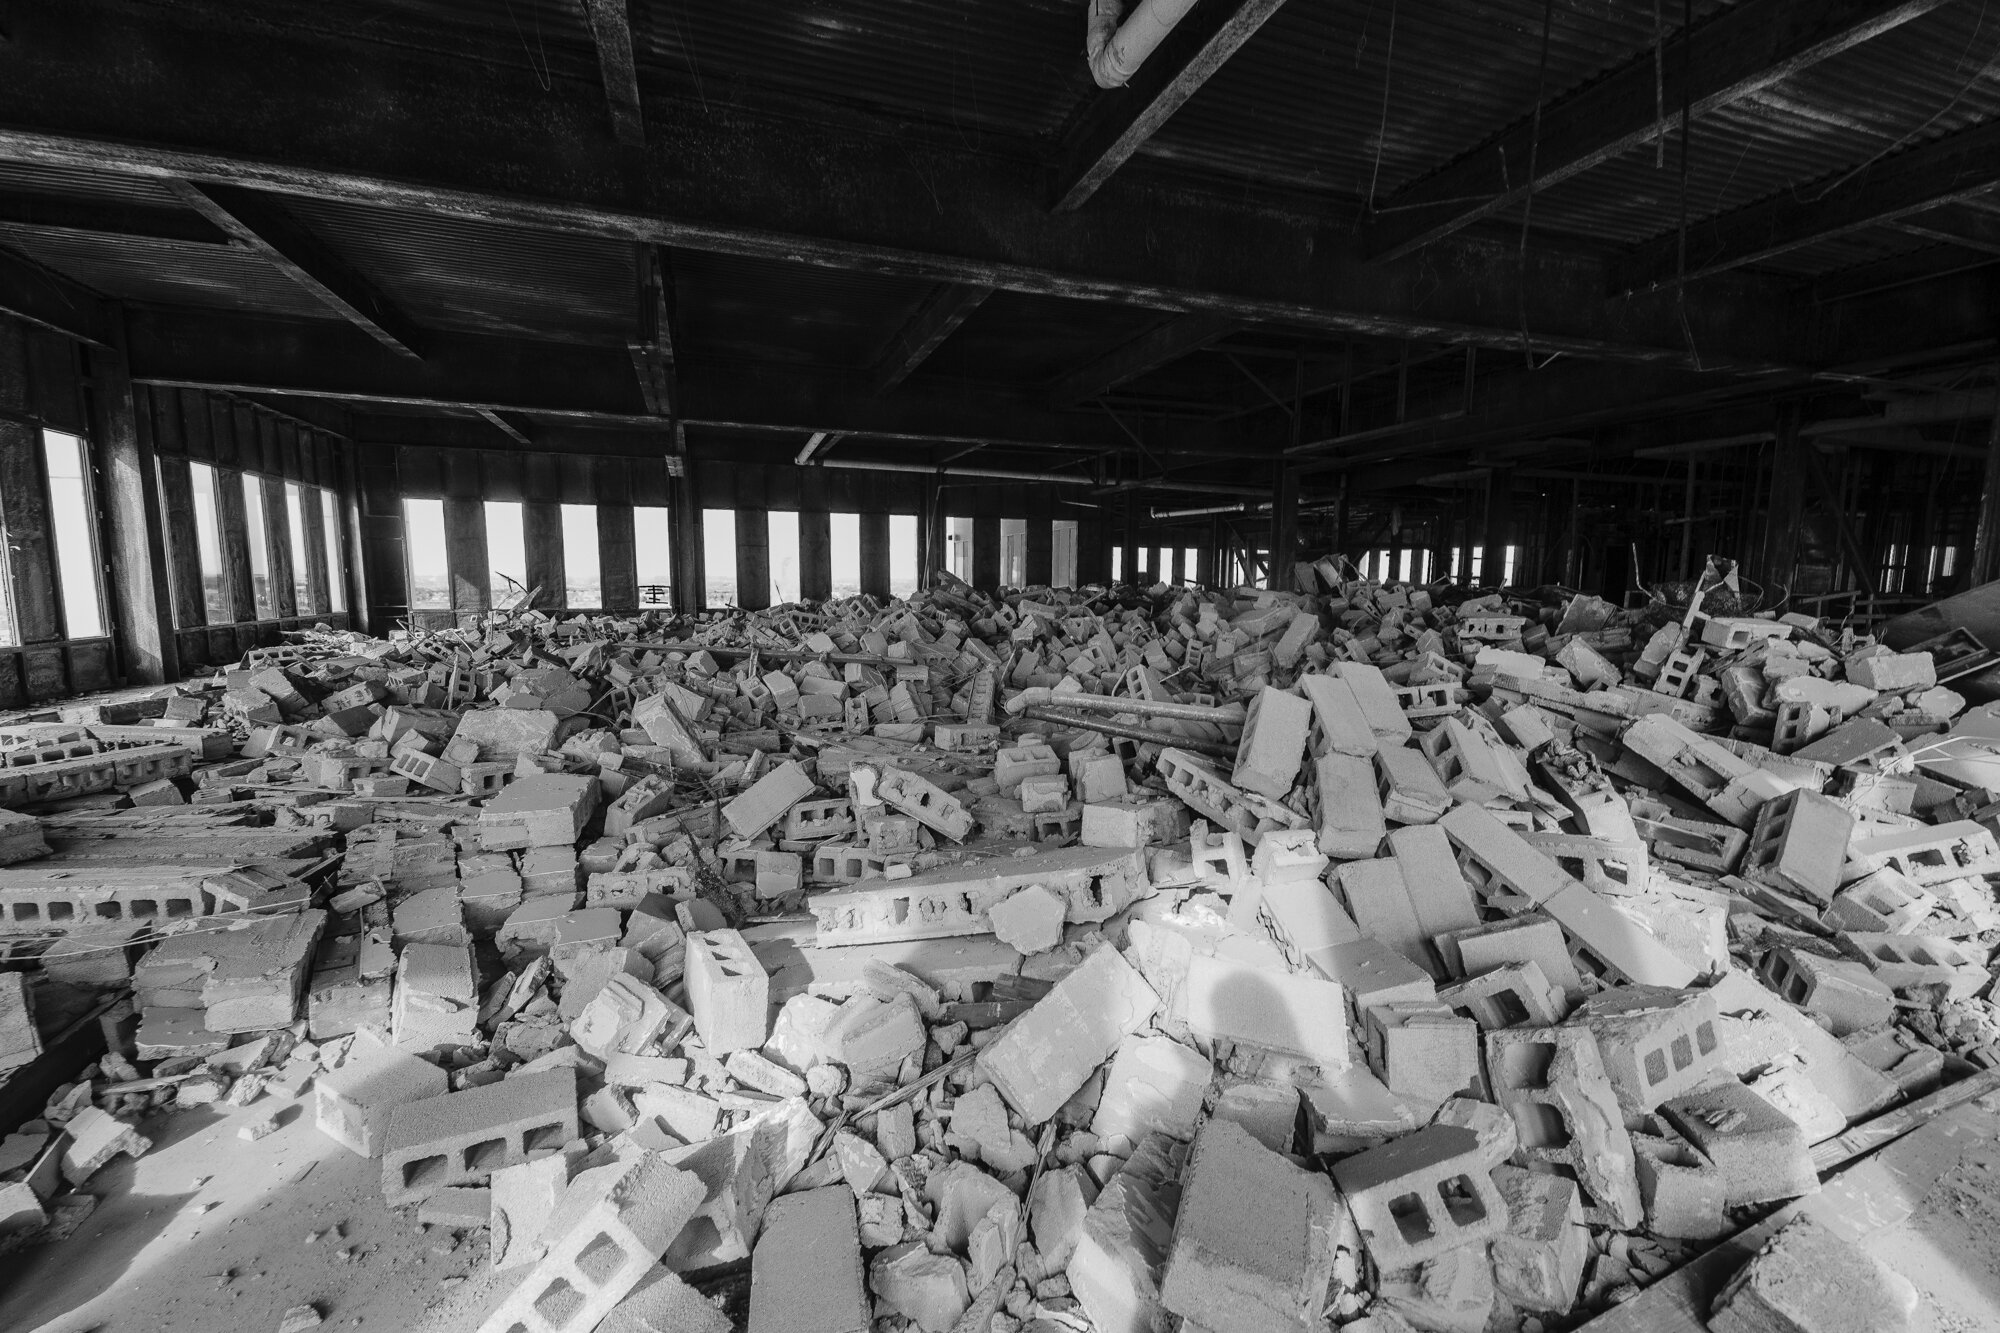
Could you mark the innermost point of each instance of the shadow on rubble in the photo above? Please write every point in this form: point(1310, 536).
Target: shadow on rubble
point(41, 1284)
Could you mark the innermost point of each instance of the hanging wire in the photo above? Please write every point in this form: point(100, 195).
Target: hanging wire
point(1382, 128)
point(1528, 204)
point(1687, 131)
point(1660, 88)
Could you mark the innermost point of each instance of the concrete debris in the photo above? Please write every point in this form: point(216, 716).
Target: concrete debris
point(1100, 959)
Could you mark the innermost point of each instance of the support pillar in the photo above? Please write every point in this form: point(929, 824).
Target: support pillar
point(875, 555)
point(141, 598)
point(542, 550)
point(1499, 526)
point(1284, 528)
point(1040, 570)
point(753, 559)
point(466, 565)
point(1784, 522)
point(617, 557)
point(986, 553)
point(815, 554)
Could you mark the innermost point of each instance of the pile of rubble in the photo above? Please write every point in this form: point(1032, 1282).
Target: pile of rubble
point(1113, 960)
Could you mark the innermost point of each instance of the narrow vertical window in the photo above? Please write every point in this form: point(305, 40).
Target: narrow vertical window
point(1013, 552)
point(507, 556)
point(904, 574)
point(336, 586)
point(1062, 553)
point(76, 551)
point(1117, 564)
point(653, 554)
point(782, 525)
point(208, 544)
point(295, 514)
point(260, 550)
point(718, 550)
point(958, 549)
point(423, 541)
point(580, 568)
point(1190, 563)
point(844, 533)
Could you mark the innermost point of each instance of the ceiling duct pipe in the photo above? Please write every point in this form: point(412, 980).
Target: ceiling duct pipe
point(1198, 513)
point(1116, 50)
point(984, 473)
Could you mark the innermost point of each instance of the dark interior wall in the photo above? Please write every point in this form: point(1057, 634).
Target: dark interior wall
point(235, 438)
point(41, 386)
point(389, 473)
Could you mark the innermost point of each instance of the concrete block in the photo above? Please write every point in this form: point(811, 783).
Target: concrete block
point(522, 1199)
point(1438, 891)
point(1338, 724)
point(1887, 671)
point(1122, 1249)
point(1408, 786)
point(1273, 743)
point(1847, 994)
point(1511, 995)
point(872, 1038)
point(1253, 1244)
point(927, 1289)
point(94, 1139)
point(549, 810)
point(1470, 767)
point(1552, 1081)
point(1046, 1054)
point(1496, 855)
point(805, 1274)
point(436, 1004)
point(462, 1138)
point(1347, 808)
point(352, 1104)
point(662, 1303)
point(1154, 1085)
point(1655, 1043)
point(1381, 906)
point(627, 1017)
point(1683, 1193)
point(1372, 973)
point(1376, 699)
point(728, 992)
point(1929, 855)
point(20, 1039)
point(1538, 1260)
point(930, 805)
point(1806, 1279)
point(1759, 1151)
point(1421, 1196)
point(1615, 944)
point(1883, 901)
point(1799, 844)
point(1253, 1006)
point(1422, 1052)
point(607, 1234)
point(738, 1179)
point(767, 800)
point(1030, 919)
point(1533, 938)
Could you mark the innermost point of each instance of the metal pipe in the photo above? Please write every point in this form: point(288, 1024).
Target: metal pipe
point(1202, 512)
point(1145, 735)
point(989, 473)
point(1116, 50)
point(1222, 715)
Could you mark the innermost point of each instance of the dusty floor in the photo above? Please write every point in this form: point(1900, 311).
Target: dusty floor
point(209, 1233)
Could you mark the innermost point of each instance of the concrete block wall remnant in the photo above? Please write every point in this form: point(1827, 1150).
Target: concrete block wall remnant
point(728, 991)
point(462, 1138)
point(1421, 1195)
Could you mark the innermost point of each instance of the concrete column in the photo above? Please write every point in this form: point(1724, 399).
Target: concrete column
point(753, 559)
point(815, 554)
point(465, 559)
point(141, 597)
point(617, 560)
point(875, 555)
point(542, 545)
point(1041, 564)
point(986, 554)
point(1284, 528)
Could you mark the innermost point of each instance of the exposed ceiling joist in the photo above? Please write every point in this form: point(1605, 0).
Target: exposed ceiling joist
point(1884, 275)
point(946, 306)
point(1117, 121)
point(723, 178)
point(1161, 345)
point(505, 427)
point(1743, 49)
point(53, 216)
point(1962, 227)
point(32, 293)
point(652, 346)
point(583, 385)
point(1896, 188)
point(260, 223)
point(611, 30)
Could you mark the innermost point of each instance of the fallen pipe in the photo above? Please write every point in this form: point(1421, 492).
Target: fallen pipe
point(1145, 735)
point(1221, 715)
point(1116, 50)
